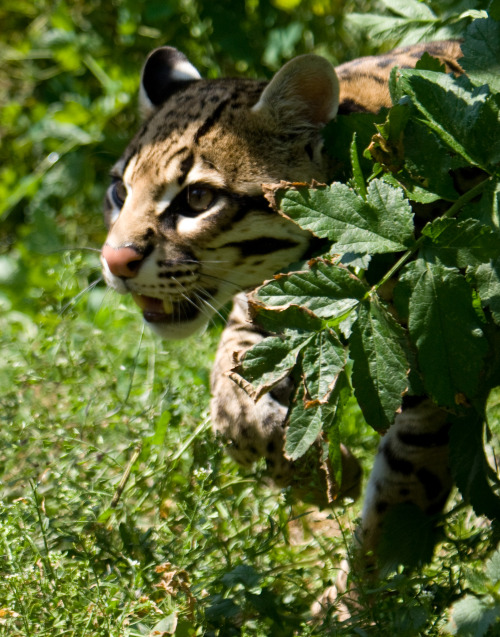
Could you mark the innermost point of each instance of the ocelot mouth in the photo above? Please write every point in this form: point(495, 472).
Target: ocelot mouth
point(164, 310)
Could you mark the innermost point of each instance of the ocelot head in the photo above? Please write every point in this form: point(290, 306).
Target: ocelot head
point(189, 226)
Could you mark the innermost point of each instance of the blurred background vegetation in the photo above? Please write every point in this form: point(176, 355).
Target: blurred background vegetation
point(87, 399)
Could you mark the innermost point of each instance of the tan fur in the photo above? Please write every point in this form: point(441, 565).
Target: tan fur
point(363, 82)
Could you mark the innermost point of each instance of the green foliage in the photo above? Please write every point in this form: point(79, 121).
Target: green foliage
point(380, 222)
point(431, 151)
point(478, 611)
point(119, 513)
point(407, 21)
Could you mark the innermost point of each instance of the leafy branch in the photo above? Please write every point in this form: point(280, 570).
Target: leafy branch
point(406, 300)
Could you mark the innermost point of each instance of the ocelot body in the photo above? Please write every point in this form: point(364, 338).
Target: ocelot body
point(190, 229)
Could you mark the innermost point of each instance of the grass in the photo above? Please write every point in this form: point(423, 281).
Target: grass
point(121, 515)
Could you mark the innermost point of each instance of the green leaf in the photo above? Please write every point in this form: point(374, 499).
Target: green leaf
point(445, 329)
point(411, 9)
point(382, 223)
point(460, 242)
point(241, 574)
point(428, 163)
point(458, 112)
point(487, 278)
point(408, 537)
point(467, 233)
point(304, 426)
point(481, 49)
point(330, 291)
point(220, 609)
point(161, 427)
point(322, 362)
point(267, 363)
point(266, 603)
point(357, 173)
point(473, 616)
point(494, 9)
point(493, 567)
point(487, 208)
point(339, 397)
point(277, 318)
point(383, 28)
point(429, 63)
point(469, 466)
point(338, 135)
point(380, 369)
point(166, 626)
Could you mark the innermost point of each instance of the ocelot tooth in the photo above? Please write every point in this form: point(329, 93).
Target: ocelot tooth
point(168, 306)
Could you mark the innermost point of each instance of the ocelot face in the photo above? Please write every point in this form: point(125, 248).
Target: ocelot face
point(188, 224)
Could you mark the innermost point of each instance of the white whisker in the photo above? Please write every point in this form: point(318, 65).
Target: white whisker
point(204, 302)
point(237, 287)
point(83, 248)
point(75, 300)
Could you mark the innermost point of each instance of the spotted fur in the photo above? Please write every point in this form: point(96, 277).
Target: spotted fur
point(189, 229)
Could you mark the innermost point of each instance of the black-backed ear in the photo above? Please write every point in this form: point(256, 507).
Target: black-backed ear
point(302, 94)
point(166, 71)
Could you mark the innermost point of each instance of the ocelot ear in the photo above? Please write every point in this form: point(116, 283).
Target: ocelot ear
point(302, 94)
point(166, 71)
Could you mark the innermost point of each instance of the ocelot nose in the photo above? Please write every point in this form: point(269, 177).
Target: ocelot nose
point(123, 262)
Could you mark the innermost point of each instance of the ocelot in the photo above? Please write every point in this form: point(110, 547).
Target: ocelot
point(190, 229)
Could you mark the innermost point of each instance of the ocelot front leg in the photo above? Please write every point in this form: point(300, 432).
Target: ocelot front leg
point(411, 468)
point(254, 430)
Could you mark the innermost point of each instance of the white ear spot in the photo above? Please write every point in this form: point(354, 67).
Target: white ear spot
point(166, 71)
point(305, 92)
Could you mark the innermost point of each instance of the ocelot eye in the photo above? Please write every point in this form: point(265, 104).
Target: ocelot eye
point(200, 198)
point(118, 192)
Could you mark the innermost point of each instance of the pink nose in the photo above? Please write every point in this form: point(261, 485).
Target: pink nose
point(123, 262)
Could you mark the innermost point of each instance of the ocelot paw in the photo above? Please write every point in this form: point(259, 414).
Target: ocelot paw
point(336, 599)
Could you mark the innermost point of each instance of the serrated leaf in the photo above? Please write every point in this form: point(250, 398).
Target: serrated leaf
point(267, 363)
point(429, 63)
point(304, 426)
point(473, 616)
point(381, 223)
point(481, 49)
point(383, 28)
point(412, 9)
point(469, 466)
point(380, 368)
point(460, 242)
point(322, 362)
point(493, 567)
point(276, 319)
point(446, 331)
point(328, 290)
point(487, 277)
point(467, 233)
point(458, 112)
